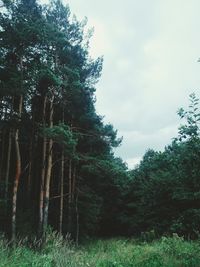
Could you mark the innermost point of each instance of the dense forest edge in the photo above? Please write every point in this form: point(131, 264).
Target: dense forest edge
point(58, 170)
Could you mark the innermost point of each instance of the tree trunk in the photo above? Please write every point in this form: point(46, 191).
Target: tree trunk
point(62, 183)
point(7, 172)
point(48, 172)
point(17, 174)
point(70, 198)
point(74, 183)
point(2, 154)
point(61, 191)
point(31, 153)
point(41, 202)
point(77, 220)
point(28, 190)
point(8, 167)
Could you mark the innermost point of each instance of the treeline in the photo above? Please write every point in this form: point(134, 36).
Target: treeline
point(164, 193)
point(57, 165)
point(56, 161)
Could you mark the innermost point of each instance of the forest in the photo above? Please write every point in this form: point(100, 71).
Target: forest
point(58, 169)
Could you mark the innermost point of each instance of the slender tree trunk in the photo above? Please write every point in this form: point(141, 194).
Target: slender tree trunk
point(1, 107)
point(3, 149)
point(17, 175)
point(48, 172)
point(29, 174)
point(75, 202)
point(3, 139)
point(61, 191)
point(62, 183)
point(70, 198)
point(7, 172)
point(30, 159)
point(77, 220)
point(2, 154)
point(41, 202)
point(74, 183)
point(8, 167)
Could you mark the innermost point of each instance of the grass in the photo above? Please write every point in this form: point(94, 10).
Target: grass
point(166, 252)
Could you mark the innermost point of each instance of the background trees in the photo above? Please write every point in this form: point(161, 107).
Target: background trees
point(164, 191)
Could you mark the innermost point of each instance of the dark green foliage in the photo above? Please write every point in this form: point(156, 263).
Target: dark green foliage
point(164, 192)
point(44, 60)
point(62, 135)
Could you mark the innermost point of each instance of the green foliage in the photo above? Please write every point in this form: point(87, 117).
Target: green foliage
point(164, 191)
point(192, 127)
point(103, 180)
point(62, 135)
point(45, 62)
point(57, 252)
point(47, 79)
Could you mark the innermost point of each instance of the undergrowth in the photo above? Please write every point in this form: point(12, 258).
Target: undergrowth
point(60, 252)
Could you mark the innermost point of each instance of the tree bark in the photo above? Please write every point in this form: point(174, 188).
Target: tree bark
point(77, 221)
point(62, 183)
point(8, 167)
point(49, 170)
point(61, 191)
point(31, 154)
point(2, 154)
point(70, 198)
point(7, 172)
point(41, 201)
point(17, 173)
point(74, 183)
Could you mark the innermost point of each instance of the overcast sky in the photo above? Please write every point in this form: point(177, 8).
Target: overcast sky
point(150, 50)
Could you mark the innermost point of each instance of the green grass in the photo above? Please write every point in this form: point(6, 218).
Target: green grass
point(167, 252)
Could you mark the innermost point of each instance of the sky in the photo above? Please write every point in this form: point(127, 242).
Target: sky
point(151, 51)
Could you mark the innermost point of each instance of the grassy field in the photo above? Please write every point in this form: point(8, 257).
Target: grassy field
point(168, 252)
